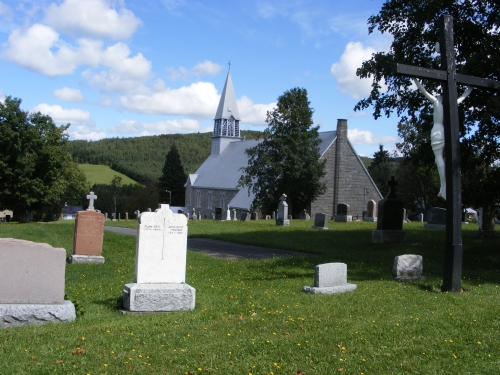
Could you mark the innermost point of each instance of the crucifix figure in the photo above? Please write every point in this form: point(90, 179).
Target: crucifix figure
point(449, 78)
point(91, 197)
point(437, 132)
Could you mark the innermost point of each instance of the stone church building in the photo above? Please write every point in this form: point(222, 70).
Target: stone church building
point(215, 183)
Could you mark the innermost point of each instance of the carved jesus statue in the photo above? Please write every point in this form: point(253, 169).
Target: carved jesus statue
point(437, 132)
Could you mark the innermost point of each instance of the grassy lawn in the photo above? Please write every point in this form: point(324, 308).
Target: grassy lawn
point(252, 317)
point(102, 174)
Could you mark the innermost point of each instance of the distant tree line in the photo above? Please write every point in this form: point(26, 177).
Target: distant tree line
point(143, 158)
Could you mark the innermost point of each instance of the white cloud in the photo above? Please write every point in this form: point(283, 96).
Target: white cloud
point(251, 113)
point(344, 71)
point(124, 74)
point(204, 68)
point(69, 94)
point(82, 125)
point(358, 137)
point(199, 100)
point(33, 49)
point(129, 127)
point(94, 18)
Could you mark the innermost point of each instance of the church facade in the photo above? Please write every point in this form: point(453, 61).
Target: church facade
point(215, 183)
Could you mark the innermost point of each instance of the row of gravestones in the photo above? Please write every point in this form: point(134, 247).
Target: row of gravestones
point(32, 275)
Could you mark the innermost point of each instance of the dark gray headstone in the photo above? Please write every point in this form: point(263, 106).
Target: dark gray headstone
point(218, 213)
point(254, 216)
point(436, 216)
point(390, 210)
point(320, 221)
point(342, 209)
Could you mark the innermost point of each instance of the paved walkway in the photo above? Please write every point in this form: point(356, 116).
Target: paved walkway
point(223, 249)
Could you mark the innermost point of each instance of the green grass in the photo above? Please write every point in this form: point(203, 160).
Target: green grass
point(252, 317)
point(102, 174)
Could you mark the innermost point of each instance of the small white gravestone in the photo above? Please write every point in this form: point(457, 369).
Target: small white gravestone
point(160, 269)
point(408, 267)
point(330, 278)
point(228, 214)
point(282, 218)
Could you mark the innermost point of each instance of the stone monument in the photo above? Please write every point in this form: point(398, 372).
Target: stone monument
point(408, 267)
point(371, 211)
point(160, 268)
point(390, 218)
point(32, 284)
point(89, 234)
point(343, 213)
point(330, 278)
point(436, 218)
point(305, 215)
point(282, 219)
point(218, 214)
point(320, 221)
point(228, 214)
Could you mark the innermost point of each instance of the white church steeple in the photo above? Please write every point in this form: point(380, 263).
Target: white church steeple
point(227, 119)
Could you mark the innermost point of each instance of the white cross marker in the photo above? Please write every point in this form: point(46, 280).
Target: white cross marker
point(91, 197)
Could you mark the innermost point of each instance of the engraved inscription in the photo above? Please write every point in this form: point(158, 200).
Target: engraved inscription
point(175, 229)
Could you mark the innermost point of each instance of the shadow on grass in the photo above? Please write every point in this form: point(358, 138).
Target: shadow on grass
point(366, 260)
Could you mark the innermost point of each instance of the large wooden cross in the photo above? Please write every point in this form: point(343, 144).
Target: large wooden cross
point(449, 79)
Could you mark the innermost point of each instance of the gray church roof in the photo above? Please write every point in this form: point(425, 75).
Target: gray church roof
point(224, 171)
point(227, 103)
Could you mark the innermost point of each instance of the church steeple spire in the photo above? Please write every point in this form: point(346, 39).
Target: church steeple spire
point(227, 118)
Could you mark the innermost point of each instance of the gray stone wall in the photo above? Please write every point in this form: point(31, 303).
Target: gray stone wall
point(346, 178)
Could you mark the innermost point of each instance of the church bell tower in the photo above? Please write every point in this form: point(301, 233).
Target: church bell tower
point(227, 119)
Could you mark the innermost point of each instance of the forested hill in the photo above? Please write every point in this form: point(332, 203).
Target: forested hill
point(144, 157)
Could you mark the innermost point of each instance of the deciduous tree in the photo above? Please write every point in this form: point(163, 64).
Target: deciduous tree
point(36, 171)
point(414, 27)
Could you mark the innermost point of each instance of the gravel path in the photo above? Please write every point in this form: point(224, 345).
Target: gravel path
point(223, 249)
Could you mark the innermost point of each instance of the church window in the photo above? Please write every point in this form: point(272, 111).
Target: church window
point(224, 127)
point(230, 126)
point(198, 198)
point(236, 128)
point(222, 199)
point(209, 199)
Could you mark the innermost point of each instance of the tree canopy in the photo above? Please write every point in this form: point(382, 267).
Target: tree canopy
point(286, 161)
point(414, 27)
point(36, 171)
point(172, 179)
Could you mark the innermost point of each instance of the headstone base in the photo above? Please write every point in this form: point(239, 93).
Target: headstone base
point(330, 289)
point(409, 278)
point(284, 223)
point(485, 234)
point(434, 226)
point(159, 297)
point(372, 219)
point(343, 218)
point(321, 228)
point(17, 315)
point(85, 259)
point(386, 236)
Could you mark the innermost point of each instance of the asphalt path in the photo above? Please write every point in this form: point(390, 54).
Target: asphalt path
point(223, 249)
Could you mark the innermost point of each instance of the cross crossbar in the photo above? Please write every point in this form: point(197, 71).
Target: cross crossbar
point(442, 75)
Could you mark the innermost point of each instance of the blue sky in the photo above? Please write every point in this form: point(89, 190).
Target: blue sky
point(131, 68)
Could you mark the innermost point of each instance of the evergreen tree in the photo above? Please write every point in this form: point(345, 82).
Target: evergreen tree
point(287, 160)
point(172, 179)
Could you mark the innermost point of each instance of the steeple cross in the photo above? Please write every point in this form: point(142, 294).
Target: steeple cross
point(229, 63)
point(449, 79)
point(392, 184)
point(91, 197)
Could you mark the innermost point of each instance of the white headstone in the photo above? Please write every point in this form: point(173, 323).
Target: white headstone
point(228, 214)
point(330, 278)
point(91, 197)
point(161, 247)
point(160, 270)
